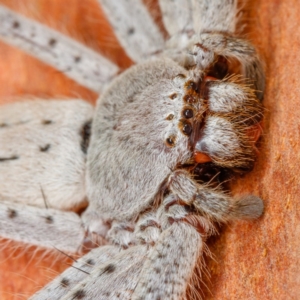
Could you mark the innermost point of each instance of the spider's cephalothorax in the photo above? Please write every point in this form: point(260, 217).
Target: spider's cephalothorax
point(195, 118)
point(165, 136)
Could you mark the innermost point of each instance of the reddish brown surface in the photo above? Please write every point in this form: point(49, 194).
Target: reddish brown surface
point(258, 260)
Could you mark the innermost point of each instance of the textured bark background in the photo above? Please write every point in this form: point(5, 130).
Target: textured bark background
point(258, 260)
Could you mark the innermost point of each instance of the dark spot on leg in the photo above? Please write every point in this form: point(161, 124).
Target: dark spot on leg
point(16, 25)
point(49, 219)
point(2, 125)
point(45, 148)
point(131, 31)
point(80, 294)
point(109, 269)
point(47, 122)
point(85, 134)
point(12, 213)
point(52, 42)
point(64, 282)
point(14, 157)
point(77, 59)
point(90, 262)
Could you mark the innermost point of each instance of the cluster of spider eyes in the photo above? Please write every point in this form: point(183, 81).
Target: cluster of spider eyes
point(187, 113)
point(218, 71)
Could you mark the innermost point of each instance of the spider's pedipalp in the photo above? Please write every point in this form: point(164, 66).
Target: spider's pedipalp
point(210, 202)
point(248, 207)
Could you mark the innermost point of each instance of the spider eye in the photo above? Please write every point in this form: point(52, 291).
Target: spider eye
point(188, 113)
point(187, 128)
point(190, 85)
point(170, 141)
point(220, 68)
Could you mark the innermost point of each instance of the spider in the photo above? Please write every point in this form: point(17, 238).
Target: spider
point(213, 71)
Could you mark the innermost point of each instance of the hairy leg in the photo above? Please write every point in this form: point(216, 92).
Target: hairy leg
point(134, 27)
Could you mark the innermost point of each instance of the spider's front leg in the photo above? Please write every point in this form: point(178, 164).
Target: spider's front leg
point(186, 218)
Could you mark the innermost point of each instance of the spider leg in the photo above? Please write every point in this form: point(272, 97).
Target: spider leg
point(129, 274)
point(217, 15)
point(80, 63)
point(43, 152)
point(80, 270)
point(41, 227)
point(170, 263)
point(177, 16)
point(42, 164)
point(232, 48)
point(134, 27)
point(116, 279)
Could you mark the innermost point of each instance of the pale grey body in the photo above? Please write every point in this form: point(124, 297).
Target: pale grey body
point(140, 195)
